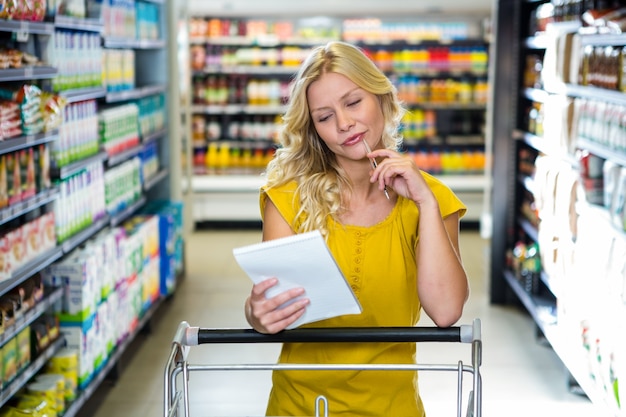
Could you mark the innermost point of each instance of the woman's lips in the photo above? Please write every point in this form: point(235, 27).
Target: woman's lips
point(353, 140)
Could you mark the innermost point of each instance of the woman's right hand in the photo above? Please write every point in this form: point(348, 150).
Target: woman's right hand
point(264, 314)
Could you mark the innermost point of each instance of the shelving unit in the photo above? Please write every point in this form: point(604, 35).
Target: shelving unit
point(576, 291)
point(42, 200)
point(152, 74)
point(223, 100)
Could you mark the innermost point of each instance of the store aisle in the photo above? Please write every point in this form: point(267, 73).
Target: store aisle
point(521, 378)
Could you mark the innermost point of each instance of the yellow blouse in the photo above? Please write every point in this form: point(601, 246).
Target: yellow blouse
point(379, 264)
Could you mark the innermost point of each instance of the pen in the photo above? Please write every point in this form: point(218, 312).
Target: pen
point(374, 165)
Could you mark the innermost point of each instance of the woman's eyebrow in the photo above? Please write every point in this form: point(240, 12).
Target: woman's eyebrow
point(340, 98)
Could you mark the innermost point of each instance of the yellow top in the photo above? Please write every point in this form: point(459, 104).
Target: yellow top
point(379, 264)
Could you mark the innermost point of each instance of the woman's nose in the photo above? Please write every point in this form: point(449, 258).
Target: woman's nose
point(344, 121)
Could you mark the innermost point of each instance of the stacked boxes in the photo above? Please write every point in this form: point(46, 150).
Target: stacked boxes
point(108, 285)
point(170, 218)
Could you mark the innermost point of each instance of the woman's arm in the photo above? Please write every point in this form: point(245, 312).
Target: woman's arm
point(263, 313)
point(274, 224)
point(442, 282)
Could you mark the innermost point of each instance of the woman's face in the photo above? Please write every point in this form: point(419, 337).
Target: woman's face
point(344, 115)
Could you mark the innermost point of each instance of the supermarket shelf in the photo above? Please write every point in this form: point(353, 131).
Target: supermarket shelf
point(465, 140)
point(226, 183)
point(528, 183)
point(252, 183)
point(134, 43)
point(449, 106)
point(536, 94)
point(267, 40)
point(574, 359)
point(604, 39)
point(30, 268)
point(21, 142)
point(27, 73)
point(237, 108)
point(85, 24)
point(541, 309)
point(53, 295)
point(529, 229)
point(153, 136)
point(249, 70)
point(539, 143)
point(422, 42)
point(140, 92)
point(595, 93)
point(24, 26)
point(124, 214)
point(153, 62)
point(123, 156)
point(462, 141)
point(152, 181)
point(551, 284)
point(18, 383)
point(544, 145)
point(84, 395)
point(74, 241)
point(235, 197)
point(442, 72)
point(464, 182)
point(603, 151)
point(113, 220)
point(15, 210)
point(82, 94)
point(537, 42)
point(78, 166)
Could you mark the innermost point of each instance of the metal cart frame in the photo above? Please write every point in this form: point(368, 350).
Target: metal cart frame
point(187, 336)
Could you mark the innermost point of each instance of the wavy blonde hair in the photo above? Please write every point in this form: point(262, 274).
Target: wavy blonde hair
point(302, 155)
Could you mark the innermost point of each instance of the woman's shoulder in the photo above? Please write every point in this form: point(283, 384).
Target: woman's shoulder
point(449, 202)
point(282, 196)
point(288, 187)
point(280, 192)
point(436, 184)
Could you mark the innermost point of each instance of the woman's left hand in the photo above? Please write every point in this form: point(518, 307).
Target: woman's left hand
point(400, 172)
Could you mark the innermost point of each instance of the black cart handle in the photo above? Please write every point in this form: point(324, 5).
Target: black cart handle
point(192, 336)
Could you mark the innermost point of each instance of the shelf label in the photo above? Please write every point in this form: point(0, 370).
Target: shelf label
point(21, 35)
point(29, 72)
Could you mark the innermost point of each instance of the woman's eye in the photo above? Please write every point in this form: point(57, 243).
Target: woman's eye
point(323, 119)
point(354, 103)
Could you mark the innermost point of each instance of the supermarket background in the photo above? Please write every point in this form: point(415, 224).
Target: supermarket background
point(133, 136)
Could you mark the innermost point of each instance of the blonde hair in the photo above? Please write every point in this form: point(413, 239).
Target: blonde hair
point(303, 157)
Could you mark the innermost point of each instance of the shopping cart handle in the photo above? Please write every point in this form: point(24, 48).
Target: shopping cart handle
point(196, 335)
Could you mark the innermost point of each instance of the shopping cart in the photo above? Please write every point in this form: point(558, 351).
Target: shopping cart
point(178, 369)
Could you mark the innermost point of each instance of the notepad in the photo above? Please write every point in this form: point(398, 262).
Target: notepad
point(302, 260)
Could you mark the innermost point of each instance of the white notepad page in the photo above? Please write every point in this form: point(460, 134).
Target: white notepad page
point(302, 260)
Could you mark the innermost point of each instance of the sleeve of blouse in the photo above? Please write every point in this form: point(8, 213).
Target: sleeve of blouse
point(283, 199)
point(449, 202)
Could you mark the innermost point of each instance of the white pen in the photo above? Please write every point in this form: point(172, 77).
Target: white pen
point(374, 165)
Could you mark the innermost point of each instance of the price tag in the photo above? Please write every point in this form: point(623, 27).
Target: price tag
point(21, 35)
point(28, 73)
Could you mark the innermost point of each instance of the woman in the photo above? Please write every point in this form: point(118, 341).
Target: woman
point(392, 229)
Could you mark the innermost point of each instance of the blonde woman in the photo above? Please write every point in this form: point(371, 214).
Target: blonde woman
point(392, 229)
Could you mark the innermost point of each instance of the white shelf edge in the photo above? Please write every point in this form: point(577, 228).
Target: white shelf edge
point(252, 183)
point(226, 183)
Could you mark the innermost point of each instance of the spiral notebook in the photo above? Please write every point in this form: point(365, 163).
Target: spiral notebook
point(302, 260)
